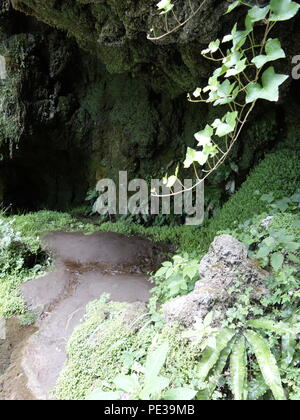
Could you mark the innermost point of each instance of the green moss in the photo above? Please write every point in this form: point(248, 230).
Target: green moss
point(15, 51)
point(11, 303)
point(279, 173)
point(106, 345)
point(32, 225)
point(97, 348)
point(16, 260)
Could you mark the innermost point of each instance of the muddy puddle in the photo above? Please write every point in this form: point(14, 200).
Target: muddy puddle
point(86, 266)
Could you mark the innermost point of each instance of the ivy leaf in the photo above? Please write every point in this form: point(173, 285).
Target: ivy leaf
point(273, 52)
point(257, 13)
point(227, 38)
point(267, 363)
point(269, 89)
point(213, 84)
point(197, 92)
point(233, 6)
point(171, 181)
point(283, 10)
point(210, 149)
point(225, 93)
point(165, 5)
point(193, 155)
point(277, 260)
point(239, 37)
point(204, 137)
point(238, 68)
point(227, 125)
point(212, 47)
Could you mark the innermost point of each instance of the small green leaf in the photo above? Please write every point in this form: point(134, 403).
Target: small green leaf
point(177, 394)
point(233, 6)
point(283, 10)
point(171, 181)
point(127, 383)
point(155, 361)
point(165, 5)
point(154, 387)
point(257, 13)
point(197, 92)
point(204, 137)
point(273, 52)
point(212, 47)
point(227, 125)
point(208, 319)
point(227, 38)
point(277, 260)
point(269, 89)
point(193, 155)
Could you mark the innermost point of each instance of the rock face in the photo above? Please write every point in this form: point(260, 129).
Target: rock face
point(220, 269)
point(85, 95)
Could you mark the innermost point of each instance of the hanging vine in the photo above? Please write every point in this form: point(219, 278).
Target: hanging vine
point(242, 77)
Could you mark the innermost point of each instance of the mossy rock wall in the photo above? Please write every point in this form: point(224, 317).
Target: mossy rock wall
point(87, 95)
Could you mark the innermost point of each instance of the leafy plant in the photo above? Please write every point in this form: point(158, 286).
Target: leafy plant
point(237, 347)
point(148, 386)
point(176, 277)
point(243, 77)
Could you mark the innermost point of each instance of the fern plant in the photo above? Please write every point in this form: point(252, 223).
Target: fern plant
point(236, 347)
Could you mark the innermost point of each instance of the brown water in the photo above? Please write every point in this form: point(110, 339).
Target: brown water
point(85, 267)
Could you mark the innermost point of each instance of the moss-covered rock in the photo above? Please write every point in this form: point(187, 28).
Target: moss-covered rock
point(109, 341)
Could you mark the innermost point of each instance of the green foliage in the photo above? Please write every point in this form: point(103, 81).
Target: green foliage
point(238, 368)
point(175, 278)
point(252, 354)
point(18, 262)
point(107, 352)
point(21, 254)
point(151, 386)
point(239, 81)
point(242, 206)
point(278, 172)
